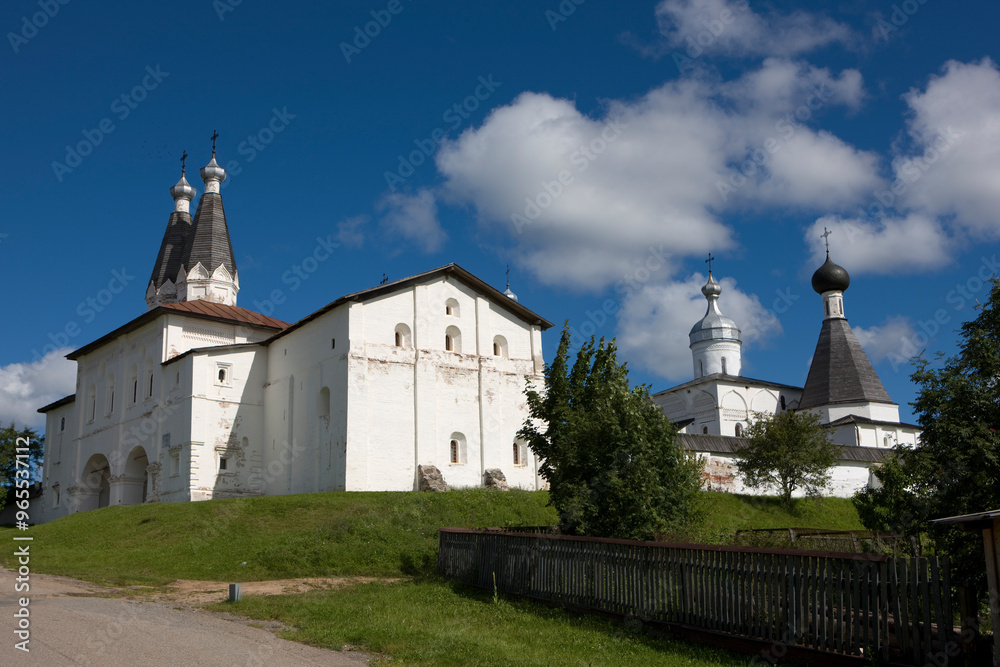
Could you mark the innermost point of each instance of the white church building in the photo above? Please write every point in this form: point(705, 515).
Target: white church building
point(842, 388)
point(198, 398)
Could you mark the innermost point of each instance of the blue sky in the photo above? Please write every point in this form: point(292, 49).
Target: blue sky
point(600, 149)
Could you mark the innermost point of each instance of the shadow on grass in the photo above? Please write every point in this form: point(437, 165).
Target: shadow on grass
point(616, 628)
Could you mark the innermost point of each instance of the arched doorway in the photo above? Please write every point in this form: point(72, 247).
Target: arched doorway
point(95, 485)
point(136, 479)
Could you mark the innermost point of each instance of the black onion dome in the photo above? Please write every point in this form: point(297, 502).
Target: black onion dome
point(830, 277)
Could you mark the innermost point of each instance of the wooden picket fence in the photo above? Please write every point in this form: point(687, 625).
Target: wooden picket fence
point(898, 610)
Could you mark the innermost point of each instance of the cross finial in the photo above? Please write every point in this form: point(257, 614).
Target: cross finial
point(184, 158)
point(215, 135)
point(508, 276)
point(826, 237)
point(709, 262)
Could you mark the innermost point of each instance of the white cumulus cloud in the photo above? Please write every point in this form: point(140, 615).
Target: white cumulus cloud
point(25, 387)
point(915, 243)
point(414, 219)
point(893, 339)
point(732, 27)
point(654, 322)
point(582, 197)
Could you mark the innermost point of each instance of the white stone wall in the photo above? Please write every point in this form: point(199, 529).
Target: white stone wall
point(226, 423)
point(720, 474)
point(408, 403)
point(719, 406)
point(303, 451)
point(708, 357)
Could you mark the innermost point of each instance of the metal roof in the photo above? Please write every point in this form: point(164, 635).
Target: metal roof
point(202, 309)
point(726, 444)
point(840, 371)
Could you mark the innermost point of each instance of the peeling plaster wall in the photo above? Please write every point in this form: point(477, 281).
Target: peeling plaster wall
point(226, 422)
point(408, 403)
point(720, 475)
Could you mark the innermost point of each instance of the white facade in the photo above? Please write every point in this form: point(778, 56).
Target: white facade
point(353, 398)
point(200, 399)
point(712, 411)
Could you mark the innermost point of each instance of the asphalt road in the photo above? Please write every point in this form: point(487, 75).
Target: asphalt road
point(69, 627)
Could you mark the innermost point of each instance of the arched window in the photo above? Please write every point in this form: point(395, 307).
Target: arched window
point(782, 399)
point(456, 449)
point(149, 384)
point(323, 406)
point(222, 375)
point(92, 403)
point(451, 308)
point(453, 339)
point(704, 430)
point(499, 346)
point(723, 365)
point(62, 424)
point(402, 336)
point(739, 430)
point(132, 386)
point(110, 402)
point(701, 368)
point(520, 453)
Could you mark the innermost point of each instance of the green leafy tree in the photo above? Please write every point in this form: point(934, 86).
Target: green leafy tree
point(10, 439)
point(608, 453)
point(787, 451)
point(956, 468)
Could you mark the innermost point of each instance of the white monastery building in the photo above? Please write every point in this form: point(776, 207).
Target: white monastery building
point(198, 398)
point(842, 388)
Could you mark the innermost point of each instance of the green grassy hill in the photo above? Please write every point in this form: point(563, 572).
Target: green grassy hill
point(335, 534)
point(725, 513)
point(319, 534)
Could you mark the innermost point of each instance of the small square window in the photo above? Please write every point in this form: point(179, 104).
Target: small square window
point(224, 375)
point(223, 463)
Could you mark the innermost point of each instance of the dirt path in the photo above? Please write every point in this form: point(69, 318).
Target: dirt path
point(190, 592)
point(77, 623)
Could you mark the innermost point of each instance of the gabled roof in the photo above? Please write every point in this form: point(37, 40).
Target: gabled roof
point(450, 270)
point(57, 404)
point(221, 311)
point(208, 241)
point(207, 310)
point(840, 370)
point(733, 379)
point(858, 419)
